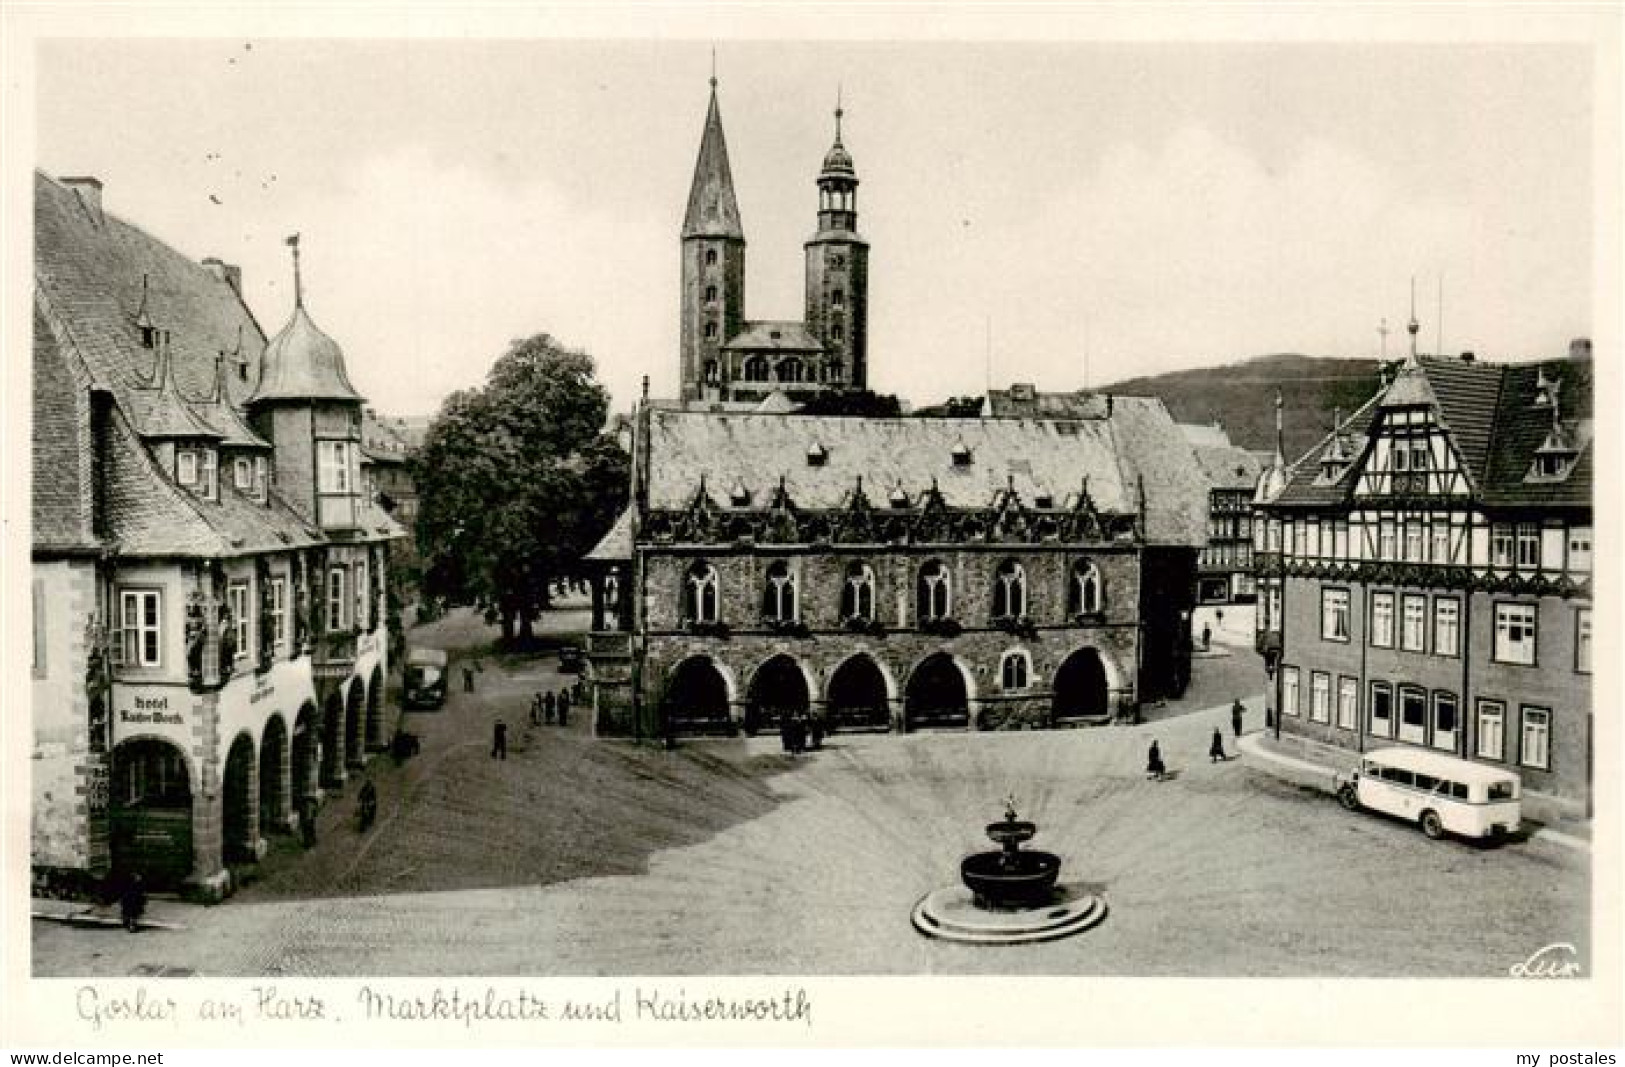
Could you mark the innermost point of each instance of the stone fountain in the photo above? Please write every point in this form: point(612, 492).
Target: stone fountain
point(1009, 896)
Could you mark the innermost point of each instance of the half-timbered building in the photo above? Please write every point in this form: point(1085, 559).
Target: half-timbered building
point(1425, 571)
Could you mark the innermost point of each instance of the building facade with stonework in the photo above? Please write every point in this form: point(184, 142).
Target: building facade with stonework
point(879, 574)
point(208, 594)
point(1425, 572)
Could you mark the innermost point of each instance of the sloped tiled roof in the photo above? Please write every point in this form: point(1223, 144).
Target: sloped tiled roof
point(756, 451)
point(63, 508)
point(1494, 424)
point(224, 417)
point(91, 271)
point(302, 363)
point(616, 545)
point(1016, 404)
point(775, 336)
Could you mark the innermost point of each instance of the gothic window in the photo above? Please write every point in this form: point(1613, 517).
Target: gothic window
point(1009, 591)
point(700, 593)
point(779, 594)
point(1014, 671)
point(792, 370)
point(837, 332)
point(933, 592)
point(1085, 594)
point(756, 369)
point(858, 594)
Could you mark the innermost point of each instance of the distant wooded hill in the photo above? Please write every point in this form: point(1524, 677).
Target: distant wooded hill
point(1241, 396)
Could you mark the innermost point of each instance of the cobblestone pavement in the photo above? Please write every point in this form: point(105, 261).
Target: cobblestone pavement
point(583, 857)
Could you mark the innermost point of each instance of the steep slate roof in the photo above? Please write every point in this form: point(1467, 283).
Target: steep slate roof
point(219, 413)
point(63, 508)
point(1226, 466)
point(792, 337)
point(1495, 426)
point(1007, 404)
point(616, 545)
point(712, 209)
point(756, 450)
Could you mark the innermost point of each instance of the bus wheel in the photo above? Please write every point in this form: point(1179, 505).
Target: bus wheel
point(1432, 825)
point(1347, 797)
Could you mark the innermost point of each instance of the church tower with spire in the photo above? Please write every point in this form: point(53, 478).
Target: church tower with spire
point(838, 272)
point(713, 240)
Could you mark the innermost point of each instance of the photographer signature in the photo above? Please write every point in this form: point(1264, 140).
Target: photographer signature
point(1559, 960)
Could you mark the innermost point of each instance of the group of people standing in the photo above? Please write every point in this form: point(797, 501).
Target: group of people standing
point(1157, 771)
point(548, 707)
point(798, 731)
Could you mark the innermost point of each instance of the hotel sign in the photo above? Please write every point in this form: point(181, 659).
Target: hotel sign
point(167, 711)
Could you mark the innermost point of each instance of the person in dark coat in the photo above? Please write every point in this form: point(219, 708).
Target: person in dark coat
point(468, 679)
point(549, 702)
point(132, 901)
point(564, 705)
point(499, 740)
point(367, 805)
point(1154, 767)
point(798, 735)
point(786, 727)
point(307, 821)
point(815, 726)
point(1207, 636)
point(1215, 751)
point(1236, 711)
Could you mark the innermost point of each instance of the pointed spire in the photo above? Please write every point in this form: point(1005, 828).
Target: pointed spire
point(712, 209)
point(838, 112)
point(1280, 435)
point(1413, 327)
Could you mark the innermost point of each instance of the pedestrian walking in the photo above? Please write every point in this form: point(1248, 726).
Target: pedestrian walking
point(549, 703)
point(564, 705)
point(468, 679)
point(1207, 637)
point(1215, 751)
point(132, 901)
point(366, 808)
point(1236, 711)
point(785, 727)
point(307, 821)
point(499, 740)
point(1154, 767)
point(816, 726)
point(536, 710)
point(798, 735)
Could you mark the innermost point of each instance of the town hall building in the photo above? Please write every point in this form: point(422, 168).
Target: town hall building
point(882, 574)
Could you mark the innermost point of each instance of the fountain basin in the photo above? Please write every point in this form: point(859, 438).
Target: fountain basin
point(1010, 879)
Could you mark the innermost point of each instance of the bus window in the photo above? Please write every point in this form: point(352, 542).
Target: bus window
point(1501, 791)
point(1397, 775)
point(1458, 791)
point(1426, 781)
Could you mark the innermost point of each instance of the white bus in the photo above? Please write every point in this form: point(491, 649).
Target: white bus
point(1440, 793)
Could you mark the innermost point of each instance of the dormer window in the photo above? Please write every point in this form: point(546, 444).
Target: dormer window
point(962, 455)
point(242, 473)
point(149, 336)
point(739, 496)
point(816, 455)
point(898, 498)
point(186, 467)
point(209, 475)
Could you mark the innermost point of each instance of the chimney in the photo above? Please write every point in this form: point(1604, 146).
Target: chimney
point(230, 273)
point(1023, 391)
point(1580, 348)
point(1468, 357)
point(89, 191)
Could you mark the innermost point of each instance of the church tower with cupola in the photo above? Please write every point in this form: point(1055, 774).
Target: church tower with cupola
point(838, 272)
point(713, 243)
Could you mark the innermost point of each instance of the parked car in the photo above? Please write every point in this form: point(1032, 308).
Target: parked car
point(571, 659)
point(425, 677)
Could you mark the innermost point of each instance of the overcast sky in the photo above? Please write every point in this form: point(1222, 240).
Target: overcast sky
point(1147, 207)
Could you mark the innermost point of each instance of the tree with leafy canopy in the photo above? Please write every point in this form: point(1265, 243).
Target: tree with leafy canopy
point(516, 482)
